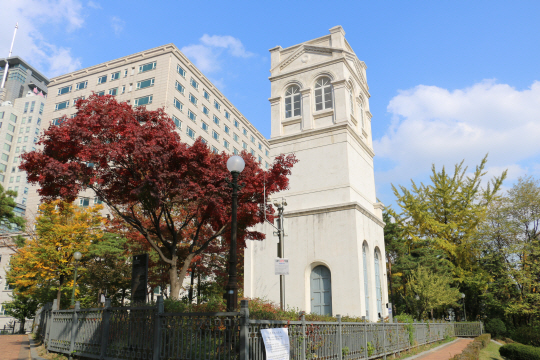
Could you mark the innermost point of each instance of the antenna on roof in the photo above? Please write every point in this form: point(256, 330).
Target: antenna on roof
point(10, 51)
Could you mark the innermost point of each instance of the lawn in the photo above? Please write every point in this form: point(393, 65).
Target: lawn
point(491, 352)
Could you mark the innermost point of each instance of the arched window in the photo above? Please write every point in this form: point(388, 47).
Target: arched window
point(292, 101)
point(361, 114)
point(366, 284)
point(351, 97)
point(378, 288)
point(323, 94)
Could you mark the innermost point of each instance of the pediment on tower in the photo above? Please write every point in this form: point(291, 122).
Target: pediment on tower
point(306, 55)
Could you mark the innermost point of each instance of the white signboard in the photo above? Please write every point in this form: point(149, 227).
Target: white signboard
point(276, 343)
point(282, 266)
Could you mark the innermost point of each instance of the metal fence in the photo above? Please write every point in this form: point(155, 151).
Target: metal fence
point(150, 333)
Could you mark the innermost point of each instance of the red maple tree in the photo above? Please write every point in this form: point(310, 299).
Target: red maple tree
point(174, 196)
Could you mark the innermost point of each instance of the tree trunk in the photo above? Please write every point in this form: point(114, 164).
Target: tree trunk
point(23, 322)
point(190, 295)
point(176, 284)
point(59, 292)
point(199, 288)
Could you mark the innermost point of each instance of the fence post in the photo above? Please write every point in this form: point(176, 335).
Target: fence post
point(384, 338)
point(244, 330)
point(157, 327)
point(365, 335)
point(49, 323)
point(105, 324)
point(74, 327)
point(340, 339)
point(304, 338)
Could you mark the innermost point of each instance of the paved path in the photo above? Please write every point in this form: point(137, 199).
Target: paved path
point(445, 352)
point(14, 347)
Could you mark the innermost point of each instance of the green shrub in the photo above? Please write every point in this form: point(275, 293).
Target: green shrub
point(527, 335)
point(472, 351)
point(520, 352)
point(496, 327)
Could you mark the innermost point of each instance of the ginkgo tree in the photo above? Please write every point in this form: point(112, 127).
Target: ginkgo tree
point(172, 195)
point(46, 261)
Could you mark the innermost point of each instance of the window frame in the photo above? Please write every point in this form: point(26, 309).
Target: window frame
point(153, 63)
point(149, 97)
point(320, 91)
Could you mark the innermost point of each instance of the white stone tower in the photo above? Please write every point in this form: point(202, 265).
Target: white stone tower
point(334, 243)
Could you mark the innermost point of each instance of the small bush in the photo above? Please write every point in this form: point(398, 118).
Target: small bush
point(496, 327)
point(527, 335)
point(472, 351)
point(520, 352)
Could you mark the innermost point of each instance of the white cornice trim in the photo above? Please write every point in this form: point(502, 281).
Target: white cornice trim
point(322, 113)
point(333, 208)
point(292, 121)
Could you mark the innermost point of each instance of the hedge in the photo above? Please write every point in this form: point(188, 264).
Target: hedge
point(527, 335)
point(472, 351)
point(517, 351)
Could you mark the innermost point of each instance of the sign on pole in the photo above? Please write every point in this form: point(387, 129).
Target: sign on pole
point(276, 343)
point(282, 266)
point(139, 278)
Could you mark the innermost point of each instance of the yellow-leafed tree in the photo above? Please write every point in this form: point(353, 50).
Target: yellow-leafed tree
point(45, 263)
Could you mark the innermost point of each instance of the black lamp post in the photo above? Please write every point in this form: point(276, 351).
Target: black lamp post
point(235, 164)
point(464, 313)
point(77, 256)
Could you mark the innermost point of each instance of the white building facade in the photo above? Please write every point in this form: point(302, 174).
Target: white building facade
point(333, 222)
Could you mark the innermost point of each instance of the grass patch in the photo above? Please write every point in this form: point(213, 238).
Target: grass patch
point(422, 348)
point(491, 352)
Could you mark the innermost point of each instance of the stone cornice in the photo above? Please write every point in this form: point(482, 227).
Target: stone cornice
point(307, 68)
point(333, 208)
point(305, 91)
point(294, 120)
point(322, 113)
point(331, 128)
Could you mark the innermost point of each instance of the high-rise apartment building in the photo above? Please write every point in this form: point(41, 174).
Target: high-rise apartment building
point(162, 77)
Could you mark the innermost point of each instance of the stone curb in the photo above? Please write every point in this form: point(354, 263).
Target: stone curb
point(432, 350)
point(496, 342)
point(33, 350)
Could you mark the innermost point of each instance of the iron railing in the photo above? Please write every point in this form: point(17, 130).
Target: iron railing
point(149, 333)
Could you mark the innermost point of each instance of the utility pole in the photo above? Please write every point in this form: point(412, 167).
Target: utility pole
point(280, 204)
point(2, 90)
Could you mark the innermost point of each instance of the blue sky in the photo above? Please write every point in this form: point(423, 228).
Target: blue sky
point(448, 80)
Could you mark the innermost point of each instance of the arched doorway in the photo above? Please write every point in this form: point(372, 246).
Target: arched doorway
point(321, 291)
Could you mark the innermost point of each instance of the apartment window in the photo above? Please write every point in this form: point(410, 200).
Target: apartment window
point(244, 145)
point(84, 202)
point(206, 95)
point(18, 177)
point(13, 118)
point(204, 126)
point(123, 89)
point(9, 137)
point(193, 99)
point(292, 101)
point(132, 70)
point(267, 153)
point(194, 83)
point(100, 93)
point(205, 110)
point(215, 135)
point(19, 139)
point(179, 87)
point(235, 151)
point(74, 101)
point(97, 201)
point(260, 146)
point(216, 105)
point(236, 124)
point(252, 152)
point(235, 137)
point(81, 85)
point(115, 76)
point(23, 120)
point(145, 100)
point(40, 108)
point(125, 72)
point(226, 144)
point(227, 130)
point(266, 165)
point(28, 129)
point(244, 131)
point(57, 121)
point(147, 67)
point(113, 91)
point(25, 138)
point(260, 159)
point(102, 79)
point(33, 105)
point(26, 107)
point(145, 83)
point(130, 87)
point(181, 71)
point(61, 105)
point(190, 133)
point(204, 140)
point(178, 104)
point(25, 192)
point(191, 115)
point(216, 120)
point(3, 169)
point(252, 139)
point(21, 130)
point(11, 179)
point(1, 114)
point(24, 149)
point(17, 149)
point(227, 115)
point(177, 122)
point(5, 157)
point(7, 147)
point(11, 128)
point(214, 150)
point(64, 90)
point(38, 121)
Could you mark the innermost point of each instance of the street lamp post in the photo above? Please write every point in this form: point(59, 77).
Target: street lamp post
point(464, 313)
point(77, 256)
point(235, 165)
point(280, 205)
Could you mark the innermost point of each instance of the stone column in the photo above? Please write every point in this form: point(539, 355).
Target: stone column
point(307, 118)
point(340, 101)
point(275, 116)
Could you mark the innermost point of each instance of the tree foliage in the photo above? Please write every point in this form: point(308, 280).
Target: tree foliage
point(167, 193)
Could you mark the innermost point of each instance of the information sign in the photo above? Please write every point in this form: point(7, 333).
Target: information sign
point(282, 266)
point(276, 343)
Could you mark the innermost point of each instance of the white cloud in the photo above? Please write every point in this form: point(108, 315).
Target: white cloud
point(34, 16)
point(435, 125)
point(117, 25)
point(207, 55)
point(94, 5)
